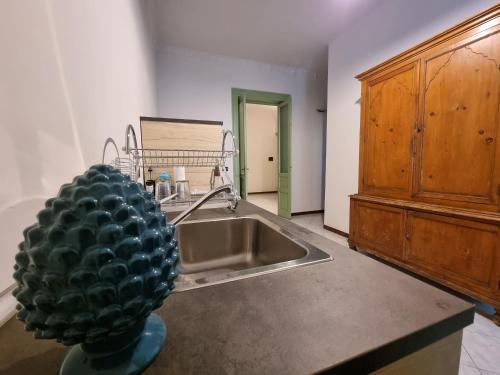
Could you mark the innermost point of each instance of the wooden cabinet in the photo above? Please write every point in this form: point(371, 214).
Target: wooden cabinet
point(390, 113)
point(459, 116)
point(456, 247)
point(429, 173)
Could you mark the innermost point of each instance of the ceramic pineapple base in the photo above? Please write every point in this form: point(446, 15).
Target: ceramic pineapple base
point(127, 354)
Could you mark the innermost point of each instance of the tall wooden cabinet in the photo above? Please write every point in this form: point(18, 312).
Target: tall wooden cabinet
point(429, 172)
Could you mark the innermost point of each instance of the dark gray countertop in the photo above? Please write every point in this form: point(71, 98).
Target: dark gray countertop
point(353, 314)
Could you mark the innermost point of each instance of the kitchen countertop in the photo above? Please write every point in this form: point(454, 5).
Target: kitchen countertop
point(350, 315)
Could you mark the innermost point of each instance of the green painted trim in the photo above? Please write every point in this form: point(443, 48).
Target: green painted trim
point(266, 98)
point(236, 134)
point(261, 97)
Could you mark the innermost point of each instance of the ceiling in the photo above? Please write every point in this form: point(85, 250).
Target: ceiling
point(286, 32)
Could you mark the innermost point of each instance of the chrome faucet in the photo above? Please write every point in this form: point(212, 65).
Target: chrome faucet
point(228, 188)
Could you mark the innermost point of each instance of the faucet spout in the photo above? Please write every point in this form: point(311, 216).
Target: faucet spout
point(228, 188)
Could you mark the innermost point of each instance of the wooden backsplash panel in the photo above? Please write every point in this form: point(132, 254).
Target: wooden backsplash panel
point(178, 135)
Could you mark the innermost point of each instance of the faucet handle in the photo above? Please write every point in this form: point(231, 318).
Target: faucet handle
point(233, 203)
point(235, 199)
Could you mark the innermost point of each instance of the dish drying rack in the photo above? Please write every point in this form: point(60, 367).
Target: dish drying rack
point(137, 158)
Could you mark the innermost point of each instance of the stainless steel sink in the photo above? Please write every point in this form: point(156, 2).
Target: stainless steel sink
point(220, 250)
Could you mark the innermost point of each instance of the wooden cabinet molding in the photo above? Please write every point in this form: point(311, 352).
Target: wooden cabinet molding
point(476, 215)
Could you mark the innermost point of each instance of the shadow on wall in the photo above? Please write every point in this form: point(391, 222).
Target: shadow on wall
point(39, 147)
point(323, 160)
point(407, 19)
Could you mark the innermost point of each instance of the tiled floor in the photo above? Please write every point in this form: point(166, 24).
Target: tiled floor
point(314, 223)
point(267, 201)
point(481, 341)
point(481, 348)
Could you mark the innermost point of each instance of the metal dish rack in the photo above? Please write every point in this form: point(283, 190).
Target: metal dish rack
point(126, 165)
point(137, 158)
point(156, 158)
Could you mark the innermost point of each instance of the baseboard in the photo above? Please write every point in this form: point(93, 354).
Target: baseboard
point(262, 192)
point(307, 212)
point(7, 308)
point(336, 231)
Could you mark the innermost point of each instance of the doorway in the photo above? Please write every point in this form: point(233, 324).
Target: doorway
point(242, 165)
point(262, 155)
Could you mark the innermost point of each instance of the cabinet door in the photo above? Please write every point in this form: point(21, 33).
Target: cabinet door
point(389, 107)
point(379, 228)
point(458, 153)
point(461, 251)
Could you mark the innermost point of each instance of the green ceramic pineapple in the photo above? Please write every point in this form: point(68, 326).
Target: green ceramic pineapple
point(100, 258)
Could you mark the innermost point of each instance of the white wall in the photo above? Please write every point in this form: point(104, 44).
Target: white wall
point(196, 85)
point(40, 148)
point(108, 60)
point(71, 74)
point(391, 28)
point(262, 142)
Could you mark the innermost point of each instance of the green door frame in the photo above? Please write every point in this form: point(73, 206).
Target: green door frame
point(266, 98)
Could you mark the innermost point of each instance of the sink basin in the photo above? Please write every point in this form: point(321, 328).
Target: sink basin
point(220, 250)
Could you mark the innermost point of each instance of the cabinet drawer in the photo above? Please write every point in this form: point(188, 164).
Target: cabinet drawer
point(380, 228)
point(460, 250)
